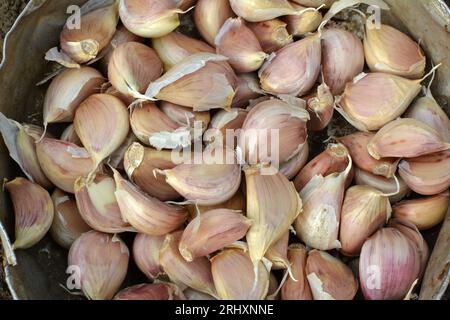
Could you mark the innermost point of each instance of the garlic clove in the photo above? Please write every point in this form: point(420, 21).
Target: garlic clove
point(185, 4)
point(195, 274)
point(128, 100)
point(383, 184)
point(361, 105)
point(256, 11)
point(101, 262)
point(175, 46)
point(63, 162)
point(406, 138)
point(234, 276)
point(237, 42)
point(248, 89)
point(320, 108)
point(308, 21)
point(140, 164)
point(364, 211)
point(292, 167)
point(342, 58)
point(329, 278)
point(391, 51)
point(33, 210)
point(272, 34)
point(146, 214)
point(116, 159)
point(192, 294)
point(210, 15)
point(67, 224)
point(424, 213)
point(427, 175)
point(133, 66)
point(357, 143)
point(277, 253)
point(69, 135)
point(154, 291)
point(98, 205)
point(102, 124)
point(294, 68)
point(212, 231)
point(185, 117)
point(297, 289)
point(149, 19)
point(146, 251)
point(67, 91)
point(315, 3)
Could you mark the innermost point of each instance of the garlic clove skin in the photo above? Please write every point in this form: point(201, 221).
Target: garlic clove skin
point(146, 250)
point(149, 19)
point(294, 69)
point(237, 42)
point(128, 100)
point(391, 51)
point(154, 291)
point(315, 3)
point(98, 205)
point(209, 17)
point(292, 167)
point(133, 66)
point(277, 253)
point(329, 278)
point(299, 25)
point(102, 124)
point(320, 108)
point(342, 58)
point(192, 294)
point(272, 34)
point(297, 290)
point(184, 116)
point(185, 4)
point(63, 162)
point(195, 274)
point(69, 135)
point(101, 262)
point(273, 292)
point(388, 265)
point(212, 231)
point(357, 143)
point(234, 276)
point(427, 175)
point(146, 214)
point(116, 159)
point(67, 91)
point(248, 89)
point(256, 11)
point(67, 224)
point(412, 139)
point(141, 162)
point(33, 210)
point(365, 210)
point(424, 213)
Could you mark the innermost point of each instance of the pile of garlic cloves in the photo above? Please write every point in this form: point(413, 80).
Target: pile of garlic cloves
point(277, 217)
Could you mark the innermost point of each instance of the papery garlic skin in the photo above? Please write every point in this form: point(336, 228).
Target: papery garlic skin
point(101, 261)
point(301, 24)
point(185, 117)
point(146, 250)
point(33, 210)
point(192, 294)
point(297, 290)
point(272, 34)
point(320, 108)
point(315, 3)
point(256, 11)
point(154, 291)
point(277, 253)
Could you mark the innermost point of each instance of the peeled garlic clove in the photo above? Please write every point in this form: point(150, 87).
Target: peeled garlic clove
point(357, 143)
point(33, 210)
point(391, 51)
point(223, 127)
point(297, 290)
point(175, 46)
point(63, 162)
point(101, 262)
point(256, 11)
point(388, 265)
point(147, 214)
point(69, 135)
point(154, 291)
point(98, 26)
point(383, 184)
point(272, 205)
point(149, 19)
point(291, 168)
point(362, 106)
point(146, 250)
point(234, 276)
point(133, 66)
point(237, 42)
point(212, 231)
point(102, 124)
point(301, 24)
point(65, 93)
point(424, 213)
point(333, 159)
point(318, 223)
point(266, 117)
point(406, 138)
point(294, 68)
point(427, 175)
point(277, 253)
point(315, 3)
point(329, 278)
point(98, 205)
point(272, 34)
point(140, 164)
point(248, 89)
point(67, 224)
point(195, 274)
point(320, 108)
point(184, 116)
point(192, 294)
point(342, 58)
point(365, 210)
point(209, 17)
